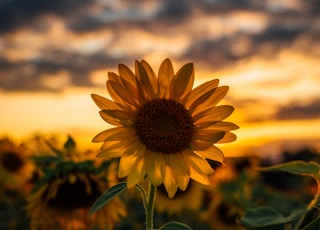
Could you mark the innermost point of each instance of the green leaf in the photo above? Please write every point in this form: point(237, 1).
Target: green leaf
point(266, 217)
point(173, 225)
point(107, 196)
point(313, 225)
point(309, 218)
point(45, 159)
point(297, 167)
point(70, 145)
point(300, 168)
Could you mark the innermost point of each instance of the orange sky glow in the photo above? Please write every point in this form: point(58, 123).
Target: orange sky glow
point(51, 65)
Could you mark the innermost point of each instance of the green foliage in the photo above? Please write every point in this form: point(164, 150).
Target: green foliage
point(307, 219)
point(268, 217)
point(108, 196)
point(60, 165)
point(55, 167)
point(70, 145)
point(297, 167)
point(313, 225)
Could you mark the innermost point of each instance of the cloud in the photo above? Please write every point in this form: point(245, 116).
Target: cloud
point(299, 111)
point(174, 10)
point(29, 76)
point(84, 36)
point(23, 13)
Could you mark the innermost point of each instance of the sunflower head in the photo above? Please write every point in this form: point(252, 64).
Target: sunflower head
point(223, 213)
point(66, 190)
point(15, 166)
point(164, 129)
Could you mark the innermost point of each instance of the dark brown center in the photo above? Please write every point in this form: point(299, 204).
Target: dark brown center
point(11, 161)
point(164, 126)
point(72, 196)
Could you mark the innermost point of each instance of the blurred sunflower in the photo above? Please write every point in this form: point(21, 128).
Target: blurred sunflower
point(15, 166)
point(222, 214)
point(70, 184)
point(188, 200)
point(165, 130)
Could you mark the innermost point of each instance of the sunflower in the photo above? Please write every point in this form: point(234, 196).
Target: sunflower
point(164, 129)
point(63, 196)
point(188, 200)
point(15, 166)
point(222, 213)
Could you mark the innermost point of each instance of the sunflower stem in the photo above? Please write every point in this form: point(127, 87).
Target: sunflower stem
point(150, 207)
point(143, 194)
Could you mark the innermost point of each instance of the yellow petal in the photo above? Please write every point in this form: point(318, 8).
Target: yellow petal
point(152, 75)
point(211, 136)
point(176, 161)
point(113, 77)
point(212, 101)
point(143, 79)
point(201, 178)
point(126, 163)
point(165, 76)
point(155, 168)
point(111, 153)
point(183, 182)
point(114, 94)
point(122, 92)
point(200, 91)
point(138, 171)
point(104, 103)
point(212, 153)
point(169, 183)
point(117, 117)
point(120, 100)
point(132, 89)
point(228, 137)
point(113, 134)
point(111, 120)
point(200, 145)
point(217, 113)
point(199, 163)
point(218, 95)
point(182, 84)
point(111, 149)
point(202, 99)
point(129, 143)
point(180, 170)
point(127, 74)
point(218, 125)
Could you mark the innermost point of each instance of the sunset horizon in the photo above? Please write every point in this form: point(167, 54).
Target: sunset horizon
point(55, 56)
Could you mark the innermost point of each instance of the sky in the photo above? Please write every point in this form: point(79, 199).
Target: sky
point(54, 54)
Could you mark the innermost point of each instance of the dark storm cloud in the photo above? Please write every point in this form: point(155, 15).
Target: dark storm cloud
point(223, 6)
point(175, 10)
point(108, 19)
point(169, 19)
point(296, 111)
point(23, 13)
point(215, 53)
point(225, 51)
point(27, 75)
point(280, 33)
point(85, 24)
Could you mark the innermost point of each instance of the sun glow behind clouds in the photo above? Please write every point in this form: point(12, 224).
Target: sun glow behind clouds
point(73, 112)
point(267, 52)
point(30, 113)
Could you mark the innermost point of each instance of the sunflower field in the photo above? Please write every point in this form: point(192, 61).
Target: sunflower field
point(158, 167)
point(50, 185)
